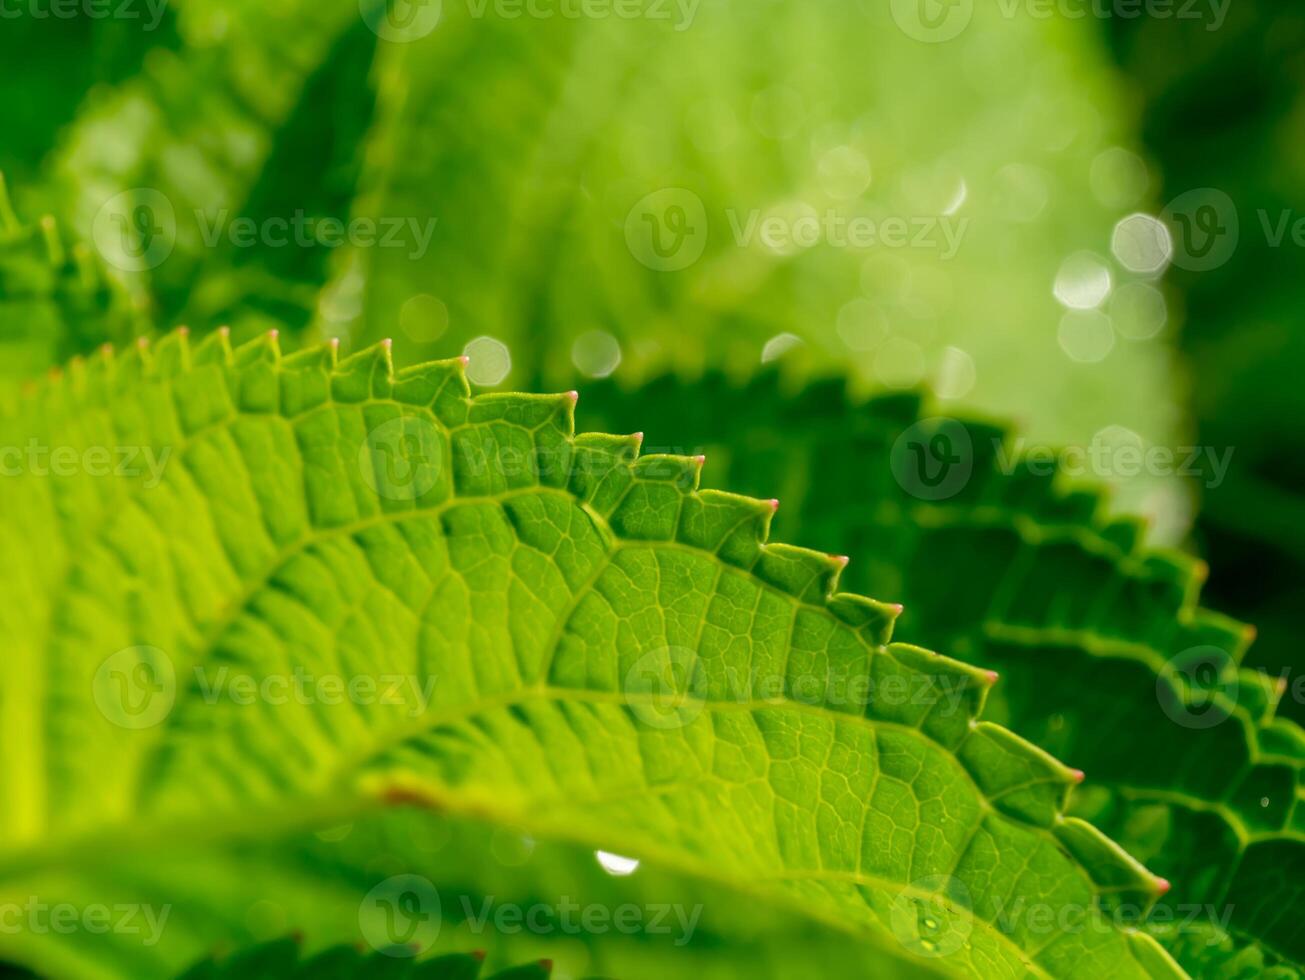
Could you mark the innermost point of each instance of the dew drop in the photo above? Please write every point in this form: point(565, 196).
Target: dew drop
point(616, 865)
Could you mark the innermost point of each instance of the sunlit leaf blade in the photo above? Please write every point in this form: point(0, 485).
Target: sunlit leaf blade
point(1106, 658)
point(620, 659)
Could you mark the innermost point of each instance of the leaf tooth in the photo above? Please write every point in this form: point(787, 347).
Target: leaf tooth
point(731, 526)
point(432, 383)
point(362, 375)
point(1120, 878)
point(55, 252)
point(1181, 573)
point(89, 274)
point(171, 354)
point(1125, 533)
point(1020, 779)
point(601, 468)
point(683, 472)
point(810, 576)
point(1204, 627)
point(265, 349)
point(213, 349)
point(876, 620)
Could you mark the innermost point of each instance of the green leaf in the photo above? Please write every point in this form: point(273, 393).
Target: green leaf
point(514, 163)
point(551, 151)
point(1001, 561)
point(55, 299)
point(619, 659)
point(155, 169)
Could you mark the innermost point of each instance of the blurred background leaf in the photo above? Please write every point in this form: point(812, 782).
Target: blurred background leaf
point(736, 183)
